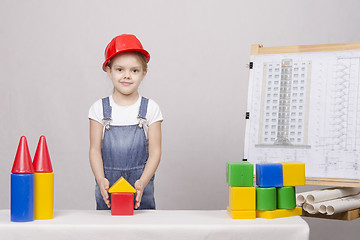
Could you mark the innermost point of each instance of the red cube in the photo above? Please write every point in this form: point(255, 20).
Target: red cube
point(122, 203)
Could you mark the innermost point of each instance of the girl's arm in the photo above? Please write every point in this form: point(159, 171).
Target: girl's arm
point(96, 162)
point(154, 134)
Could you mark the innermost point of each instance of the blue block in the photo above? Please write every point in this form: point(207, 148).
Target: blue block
point(269, 175)
point(22, 197)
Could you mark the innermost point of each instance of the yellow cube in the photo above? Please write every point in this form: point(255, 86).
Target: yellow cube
point(279, 213)
point(241, 214)
point(242, 198)
point(293, 174)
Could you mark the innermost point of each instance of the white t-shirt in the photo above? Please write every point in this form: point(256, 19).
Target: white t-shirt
point(125, 115)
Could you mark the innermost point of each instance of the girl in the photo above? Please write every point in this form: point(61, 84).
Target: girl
point(125, 128)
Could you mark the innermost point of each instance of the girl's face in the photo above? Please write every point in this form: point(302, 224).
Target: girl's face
point(126, 73)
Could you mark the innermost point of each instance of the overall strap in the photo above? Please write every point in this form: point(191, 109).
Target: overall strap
point(106, 112)
point(142, 115)
point(143, 108)
point(106, 108)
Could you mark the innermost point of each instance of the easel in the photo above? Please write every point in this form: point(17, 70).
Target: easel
point(337, 182)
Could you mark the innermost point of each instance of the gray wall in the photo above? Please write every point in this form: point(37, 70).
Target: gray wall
point(50, 73)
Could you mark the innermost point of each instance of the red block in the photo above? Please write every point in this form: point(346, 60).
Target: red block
point(122, 203)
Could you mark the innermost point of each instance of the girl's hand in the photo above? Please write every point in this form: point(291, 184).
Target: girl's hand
point(104, 187)
point(139, 186)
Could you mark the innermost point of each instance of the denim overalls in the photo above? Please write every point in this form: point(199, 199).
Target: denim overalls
point(124, 153)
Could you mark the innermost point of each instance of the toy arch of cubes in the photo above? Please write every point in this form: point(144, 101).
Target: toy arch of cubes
point(274, 195)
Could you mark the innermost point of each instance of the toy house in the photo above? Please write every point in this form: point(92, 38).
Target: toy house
point(122, 198)
point(274, 196)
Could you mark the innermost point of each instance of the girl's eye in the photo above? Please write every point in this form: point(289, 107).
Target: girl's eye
point(135, 70)
point(119, 69)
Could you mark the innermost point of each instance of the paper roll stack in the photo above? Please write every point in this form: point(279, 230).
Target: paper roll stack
point(329, 201)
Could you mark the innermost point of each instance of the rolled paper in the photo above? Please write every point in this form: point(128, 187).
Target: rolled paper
point(329, 194)
point(325, 204)
point(343, 204)
point(301, 197)
point(313, 208)
point(322, 208)
point(305, 206)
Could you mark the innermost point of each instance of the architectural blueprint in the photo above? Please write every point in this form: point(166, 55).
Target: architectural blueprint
point(306, 107)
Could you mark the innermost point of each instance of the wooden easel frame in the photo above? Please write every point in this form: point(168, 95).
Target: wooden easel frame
point(260, 50)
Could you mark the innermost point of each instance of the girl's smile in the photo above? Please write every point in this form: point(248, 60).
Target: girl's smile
point(126, 83)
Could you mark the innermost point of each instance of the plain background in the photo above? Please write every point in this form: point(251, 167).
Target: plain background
point(51, 54)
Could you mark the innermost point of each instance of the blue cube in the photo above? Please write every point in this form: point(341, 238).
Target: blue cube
point(269, 175)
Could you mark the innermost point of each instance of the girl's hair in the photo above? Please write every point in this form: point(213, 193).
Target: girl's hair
point(141, 57)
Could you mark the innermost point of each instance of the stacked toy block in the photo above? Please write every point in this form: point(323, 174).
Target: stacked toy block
point(242, 196)
point(22, 185)
point(122, 197)
point(274, 196)
point(32, 184)
point(275, 191)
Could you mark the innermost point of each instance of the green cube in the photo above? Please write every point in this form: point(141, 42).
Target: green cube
point(240, 174)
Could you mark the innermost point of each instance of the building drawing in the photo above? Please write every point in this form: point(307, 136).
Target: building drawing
point(284, 104)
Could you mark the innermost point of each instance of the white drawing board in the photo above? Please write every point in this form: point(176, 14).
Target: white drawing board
point(304, 105)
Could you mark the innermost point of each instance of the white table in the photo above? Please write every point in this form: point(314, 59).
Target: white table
point(152, 224)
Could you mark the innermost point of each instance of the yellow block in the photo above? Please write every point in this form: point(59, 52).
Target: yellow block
point(122, 186)
point(279, 213)
point(242, 198)
point(293, 174)
point(241, 214)
point(44, 196)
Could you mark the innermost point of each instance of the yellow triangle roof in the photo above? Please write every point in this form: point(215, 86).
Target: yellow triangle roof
point(122, 185)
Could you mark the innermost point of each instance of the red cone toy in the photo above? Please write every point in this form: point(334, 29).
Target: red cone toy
point(22, 163)
point(42, 163)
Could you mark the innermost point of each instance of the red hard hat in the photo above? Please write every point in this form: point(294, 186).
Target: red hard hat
point(123, 43)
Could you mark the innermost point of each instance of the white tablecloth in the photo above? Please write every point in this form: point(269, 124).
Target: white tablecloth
point(152, 224)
